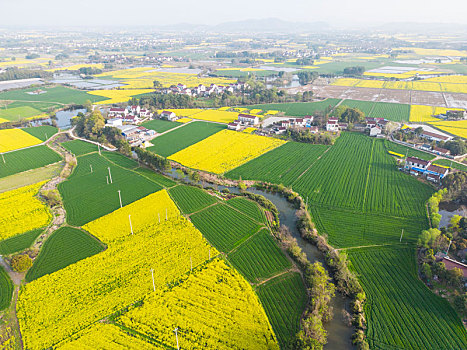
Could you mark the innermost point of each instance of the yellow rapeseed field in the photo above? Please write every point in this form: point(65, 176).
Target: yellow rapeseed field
point(458, 127)
point(118, 96)
point(272, 112)
point(215, 115)
point(105, 336)
point(346, 82)
point(378, 84)
point(184, 120)
point(11, 139)
point(2, 120)
point(457, 79)
point(225, 315)
point(57, 306)
point(22, 211)
point(249, 130)
point(224, 151)
point(255, 111)
point(182, 112)
point(77, 67)
point(421, 114)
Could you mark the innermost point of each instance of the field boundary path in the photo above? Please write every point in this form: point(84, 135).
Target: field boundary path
point(167, 131)
point(73, 136)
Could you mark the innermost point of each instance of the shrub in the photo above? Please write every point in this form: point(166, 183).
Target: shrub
point(21, 262)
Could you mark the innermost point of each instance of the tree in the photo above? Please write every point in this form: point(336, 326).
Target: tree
point(88, 105)
point(454, 277)
point(426, 271)
point(353, 115)
point(357, 70)
point(460, 302)
point(21, 262)
point(157, 84)
point(427, 237)
point(195, 177)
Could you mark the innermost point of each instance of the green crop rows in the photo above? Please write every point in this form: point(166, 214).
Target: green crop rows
point(18, 113)
point(120, 160)
point(183, 137)
point(401, 312)
point(284, 299)
point(20, 242)
point(281, 165)
point(43, 132)
point(224, 227)
point(259, 257)
point(26, 159)
point(407, 151)
point(299, 109)
point(64, 247)
point(364, 106)
point(87, 195)
point(156, 177)
point(248, 207)
point(454, 165)
point(391, 111)
point(160, 125)
point(58, 94)
point(78, 147)
point(6, 289)
point(191, 199)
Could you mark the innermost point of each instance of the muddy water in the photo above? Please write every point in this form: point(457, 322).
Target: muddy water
point(339, 334)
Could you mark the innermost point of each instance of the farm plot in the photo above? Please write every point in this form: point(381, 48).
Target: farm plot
point(248, 207)
point(20, 242)
point(104, 335)
point(410, 152)
point(365, 106)
point(22, 211)
point(78, 147)
point(422, 114)
point(299, 109)
point(458, 128)
point(115, 96)
point(259, 257)
point(27, 159)
point(58, 94)
point(13, 114)
point(224, 227)
point(176, 140)
point(121, 160)
point(87, 195)
point(391, 111)
point(352, 229)
point(64, 247)
point(6, 289)
point(191, 199)
point(155, 177)
point(215, 115)
point(209, 314)
point(224, 151)
point(159, 125)
point(282, 165)
point(43, 132)
point(284, 299)
point(400, 311)
point(448, 163)
point(57, 306)
point(13, 139)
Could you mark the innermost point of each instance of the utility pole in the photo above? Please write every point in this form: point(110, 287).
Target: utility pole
point(107, 177)
point(131, 226)
point(159, 215)
point(176, 337)
point(153, 284)
point(90, 165)
point(400, 240)
point(110, 175)
point(209, 253)
point(165, 214)
point(449, 246)
point(120, 197)
point(99, 148)
point(3, 159)
point(191, 263)
point(46, 136)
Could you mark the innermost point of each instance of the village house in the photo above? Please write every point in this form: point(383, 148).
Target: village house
point(451, 264)
point(117, 112)
point(431, 136)
point(375, 131)
point(171, 116)
point(248, 119)
point(441, 151)
point(113, 122)
point(415, 164)
point(432, 172)
point(234, 126)
point(332, 124)
point(435, 173)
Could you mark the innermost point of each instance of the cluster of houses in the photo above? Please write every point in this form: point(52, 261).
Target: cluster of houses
point(374, 125)
point(304, 122)
point(131, 114)
point(136, 135)
point(420, 167)
point(243, 120)
point(202, 90)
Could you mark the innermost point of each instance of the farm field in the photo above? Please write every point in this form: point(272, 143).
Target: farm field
point(391, 111)
point(87, 195)
point(159, 125)
point(22, 211)
point(239, 321)
point(224, 227)
point(448, 163)
point(155, 177)
point(20, 242)
point(6, 289)
point(176, 140)
point(120, 160)
point(116, 96)
point(282, 165)
point(457, 128)
point(284, 299)
point(78, 147)
point(224, 151)
point(248, 207)
point(408, 317)
point(410, 152)
point(191, 199)
point(422, 114)
point(365, 106)
point(27, 159)
point(56, 306)
point(259, 257)
point(215, 115)
point(182, 112)
point(43, 132)
point(13, 114)
point(299, 109)
point(64, 247)
point(30, 177)
point(101, 335)
point(59, 94)
point(13, 139)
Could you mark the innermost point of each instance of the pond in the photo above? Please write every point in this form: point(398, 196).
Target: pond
point(448, 210)
point(63, 118)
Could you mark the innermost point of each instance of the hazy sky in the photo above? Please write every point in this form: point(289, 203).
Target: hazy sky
point(154, 12)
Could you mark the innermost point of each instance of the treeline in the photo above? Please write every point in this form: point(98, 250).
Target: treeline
point(306, 77)
point(306, 136)
point(15, 74)
point(153, 160)
point(455, 185)
point(90, 70)
point(357, 70)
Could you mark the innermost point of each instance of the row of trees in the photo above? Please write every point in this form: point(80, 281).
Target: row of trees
point(347, 114)
point(14, 73)
point(306, 136)
point(153, 160)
